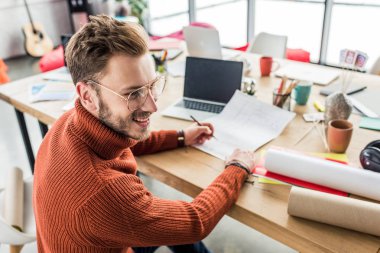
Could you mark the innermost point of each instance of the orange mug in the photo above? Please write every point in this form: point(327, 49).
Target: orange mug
point(339, 132)
point(266, 65)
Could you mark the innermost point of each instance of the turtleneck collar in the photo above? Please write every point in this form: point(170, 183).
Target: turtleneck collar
point(100, 138)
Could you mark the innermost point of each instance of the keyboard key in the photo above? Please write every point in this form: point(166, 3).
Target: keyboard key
point(195, 105)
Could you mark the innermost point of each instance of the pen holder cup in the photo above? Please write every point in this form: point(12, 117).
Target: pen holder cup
point(160, 66)
point(281, 100)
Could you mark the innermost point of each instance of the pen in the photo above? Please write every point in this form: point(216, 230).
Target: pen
point(199, 124)
point(355, 91)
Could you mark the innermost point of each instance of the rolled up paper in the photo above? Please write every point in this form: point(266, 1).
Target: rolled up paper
point(323, 172)
point(14, 199)
point(358, 215)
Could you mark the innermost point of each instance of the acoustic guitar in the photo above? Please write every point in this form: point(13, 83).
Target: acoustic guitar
point(37, 43)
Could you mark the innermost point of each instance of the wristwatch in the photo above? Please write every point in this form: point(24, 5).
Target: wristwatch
point(238, 164)
point(181, 138)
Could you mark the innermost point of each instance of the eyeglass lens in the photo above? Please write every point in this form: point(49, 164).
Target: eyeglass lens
point(138, 97)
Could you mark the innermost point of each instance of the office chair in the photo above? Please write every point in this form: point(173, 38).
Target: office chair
point(375, 69)
point(10, 235)
point(268, 44)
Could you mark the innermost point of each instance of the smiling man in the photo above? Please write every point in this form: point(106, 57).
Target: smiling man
point(87, 197)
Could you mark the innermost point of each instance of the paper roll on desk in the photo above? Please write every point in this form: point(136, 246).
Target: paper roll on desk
point(14, 199)
point(323, 172)
point(358, 215)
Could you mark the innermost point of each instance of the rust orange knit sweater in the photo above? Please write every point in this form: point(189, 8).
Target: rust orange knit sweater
point(87, 197)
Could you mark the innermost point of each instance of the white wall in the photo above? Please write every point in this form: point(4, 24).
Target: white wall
point(52, 14)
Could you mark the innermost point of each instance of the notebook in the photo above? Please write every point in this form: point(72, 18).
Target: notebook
point(308, 73)
point(209, 85)
point(205, 43)
point(367, 102)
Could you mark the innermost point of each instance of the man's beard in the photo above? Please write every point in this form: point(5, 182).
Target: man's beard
point(122, 125)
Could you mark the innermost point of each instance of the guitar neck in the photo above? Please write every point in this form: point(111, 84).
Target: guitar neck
point(30, 16)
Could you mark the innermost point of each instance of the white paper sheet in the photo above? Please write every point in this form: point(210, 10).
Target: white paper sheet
point(245, 123)
point(51, 91)
point(323, 172)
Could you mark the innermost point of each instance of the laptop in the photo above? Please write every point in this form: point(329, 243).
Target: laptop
point(205, 43)
point(209, 85)
point(309, 73)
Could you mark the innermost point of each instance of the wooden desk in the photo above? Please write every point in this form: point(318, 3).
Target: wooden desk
point(260, 206)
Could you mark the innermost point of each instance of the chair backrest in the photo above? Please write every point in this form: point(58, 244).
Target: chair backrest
point(10, 235)
point(268, 44)
point(375, 69)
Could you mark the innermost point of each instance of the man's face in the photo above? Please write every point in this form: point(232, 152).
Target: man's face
point(123, 75)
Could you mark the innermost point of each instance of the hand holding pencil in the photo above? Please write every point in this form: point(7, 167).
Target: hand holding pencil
point(198, 133)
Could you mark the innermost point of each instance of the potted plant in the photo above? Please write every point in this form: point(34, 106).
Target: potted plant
point(139, 9)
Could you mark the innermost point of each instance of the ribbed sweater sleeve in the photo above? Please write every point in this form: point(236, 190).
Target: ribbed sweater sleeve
point(125, 213)
point(157, 141)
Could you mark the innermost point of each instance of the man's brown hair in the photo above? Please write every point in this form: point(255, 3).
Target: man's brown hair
point(89, 50)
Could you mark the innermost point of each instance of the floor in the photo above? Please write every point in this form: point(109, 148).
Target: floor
point(228, 236)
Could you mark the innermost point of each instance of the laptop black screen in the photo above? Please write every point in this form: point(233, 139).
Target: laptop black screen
point(212, 80)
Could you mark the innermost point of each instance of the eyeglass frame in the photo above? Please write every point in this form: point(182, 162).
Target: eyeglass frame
point(149, 84)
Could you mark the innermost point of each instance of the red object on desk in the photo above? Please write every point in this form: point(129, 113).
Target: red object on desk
point(3, 75)
point(261, 171)
point(297, 55)
point(160, 44)
point(52, 60)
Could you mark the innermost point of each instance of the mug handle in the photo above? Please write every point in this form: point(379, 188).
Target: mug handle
point(275, 66)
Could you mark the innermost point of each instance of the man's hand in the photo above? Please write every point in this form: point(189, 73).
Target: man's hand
point(195, 134)
point(245, 158)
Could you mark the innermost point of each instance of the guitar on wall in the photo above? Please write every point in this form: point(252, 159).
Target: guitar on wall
point(37, 43)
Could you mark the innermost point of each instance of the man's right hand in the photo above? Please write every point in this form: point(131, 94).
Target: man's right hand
point(245, 158)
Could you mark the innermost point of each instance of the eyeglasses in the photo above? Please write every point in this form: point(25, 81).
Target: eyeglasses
point(136, 99)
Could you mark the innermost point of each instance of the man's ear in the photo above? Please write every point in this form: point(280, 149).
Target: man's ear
point(88, 97)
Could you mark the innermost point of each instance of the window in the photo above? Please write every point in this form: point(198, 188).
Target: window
point(351, 28)
point(301, 21)
point(229, 18)
point(167, 16)
point(346, 23)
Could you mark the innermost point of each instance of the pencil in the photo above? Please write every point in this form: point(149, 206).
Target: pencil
point(199, 124)
point(165, 53)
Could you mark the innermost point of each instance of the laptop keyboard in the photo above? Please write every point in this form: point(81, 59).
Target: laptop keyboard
point(200, 106)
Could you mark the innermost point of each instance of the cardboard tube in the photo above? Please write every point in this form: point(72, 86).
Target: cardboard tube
point(358, 215)
point(15, 248)
point(14, 202)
